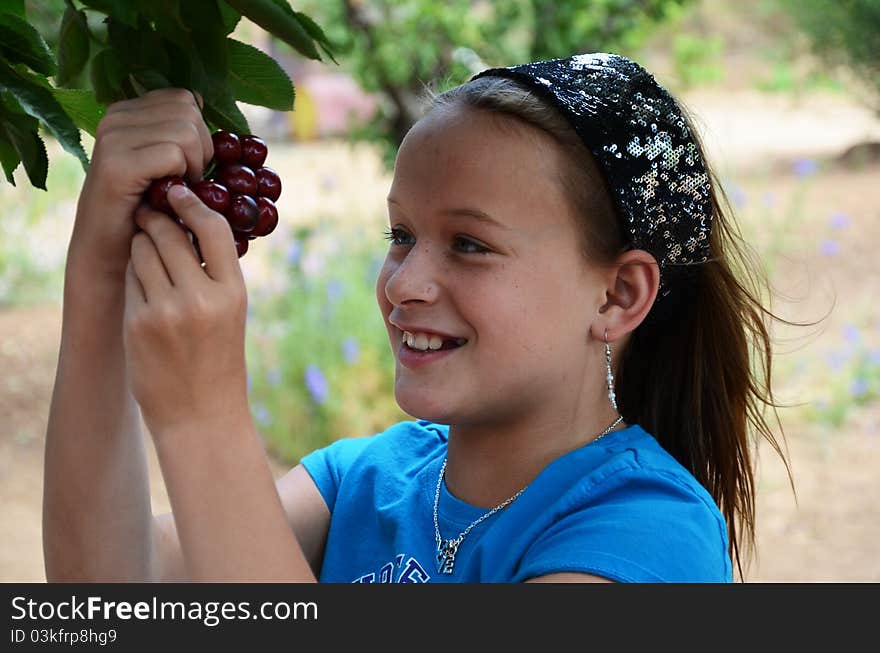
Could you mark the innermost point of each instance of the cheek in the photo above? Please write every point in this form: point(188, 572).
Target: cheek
point(381, 281)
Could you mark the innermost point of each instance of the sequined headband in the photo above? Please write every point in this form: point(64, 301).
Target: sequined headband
point(643, 144)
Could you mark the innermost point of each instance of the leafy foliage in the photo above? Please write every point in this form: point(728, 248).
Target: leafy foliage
point(843, 33)
point(104, 51)
point(394, 47)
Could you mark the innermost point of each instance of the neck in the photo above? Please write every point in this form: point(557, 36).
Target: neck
point(487, 463)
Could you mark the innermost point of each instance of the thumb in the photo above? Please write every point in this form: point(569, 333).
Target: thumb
point(214, 235)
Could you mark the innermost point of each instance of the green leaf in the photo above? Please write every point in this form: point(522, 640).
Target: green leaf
point(9, 158)
point(73, 45)
point(187, 71)
point(107, 73)
point(124, 40)
point(21, 132)
point(203, 19)
point(39, 102)
point(124, 10)
point(21, 43)
point(165, 15)
point(256, 78)
point(315, 31)
point(12, 7)
point(221, 111)
point(278, 19)
point(150, 80)
point(34, 95)
point(230, 17)
point(82, 106)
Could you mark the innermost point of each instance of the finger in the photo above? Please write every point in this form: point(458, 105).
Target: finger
point(153, 98)
point(213, 232)
point(181, 133)
point(134, 291)
point(154, 119)
point(173, 245)
point(148, 267)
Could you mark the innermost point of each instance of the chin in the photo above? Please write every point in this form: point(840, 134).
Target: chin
point(419, 406)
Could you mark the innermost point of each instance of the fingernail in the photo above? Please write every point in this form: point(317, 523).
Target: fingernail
point(178, 191)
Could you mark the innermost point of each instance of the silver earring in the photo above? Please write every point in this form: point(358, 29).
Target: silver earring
point(609, 376)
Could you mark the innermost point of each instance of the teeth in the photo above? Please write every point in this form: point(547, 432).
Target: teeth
point(423, 341)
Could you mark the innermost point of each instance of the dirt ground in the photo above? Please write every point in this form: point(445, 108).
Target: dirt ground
point(830, 534)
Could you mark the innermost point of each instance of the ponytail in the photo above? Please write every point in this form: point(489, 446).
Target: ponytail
point(691, 380)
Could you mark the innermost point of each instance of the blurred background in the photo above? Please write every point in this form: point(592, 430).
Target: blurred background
point(786, 95)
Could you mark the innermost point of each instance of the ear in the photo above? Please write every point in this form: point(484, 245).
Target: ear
point(632, 288)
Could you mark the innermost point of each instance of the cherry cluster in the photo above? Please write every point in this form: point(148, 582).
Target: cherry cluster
point(237, 186)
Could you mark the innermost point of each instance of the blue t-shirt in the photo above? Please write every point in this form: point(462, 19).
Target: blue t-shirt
point(620, 507)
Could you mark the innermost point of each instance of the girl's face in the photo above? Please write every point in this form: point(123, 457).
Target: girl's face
point(484, 248)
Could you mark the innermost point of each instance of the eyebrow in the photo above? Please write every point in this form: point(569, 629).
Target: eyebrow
point(466, 212)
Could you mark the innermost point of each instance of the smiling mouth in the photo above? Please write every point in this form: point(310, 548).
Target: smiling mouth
point(424, 343)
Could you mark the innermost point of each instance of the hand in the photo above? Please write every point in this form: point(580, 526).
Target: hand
point(161, 133)
point(184, 326)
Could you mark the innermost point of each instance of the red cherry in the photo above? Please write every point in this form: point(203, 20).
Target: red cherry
point(213, 195)
point(158, 191)
point(242, 213)
point(239, 179)
point(227, 147)
point(268, 183)
point(253, 151)
point(268, 217)
point(241, 247)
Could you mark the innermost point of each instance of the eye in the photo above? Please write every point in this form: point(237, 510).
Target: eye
point(395, 236)
point(468, 246)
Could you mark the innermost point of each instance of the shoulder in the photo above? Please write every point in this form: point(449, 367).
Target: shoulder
point(406, 439)
point(639, 514)
point(394, 455)
point(636, 465)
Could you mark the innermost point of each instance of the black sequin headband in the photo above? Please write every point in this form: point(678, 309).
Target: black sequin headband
point(641, 141)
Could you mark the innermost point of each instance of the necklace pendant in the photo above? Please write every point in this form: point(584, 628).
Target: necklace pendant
point(446, 556)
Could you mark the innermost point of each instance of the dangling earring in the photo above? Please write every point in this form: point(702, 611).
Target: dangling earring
point(609, 376)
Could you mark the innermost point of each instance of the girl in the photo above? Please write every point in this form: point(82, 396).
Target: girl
point(569, 337)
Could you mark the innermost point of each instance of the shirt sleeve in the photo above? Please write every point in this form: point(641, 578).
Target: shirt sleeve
point(328, 465)
point(638, 525)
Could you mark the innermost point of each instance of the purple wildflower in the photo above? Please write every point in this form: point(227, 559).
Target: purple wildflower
point(851, 334)
point(316, 383)
point(830, 248)
point(294, 252)
point(804, 168)
point(335, 290)
point(350, 350)
point(836, 360)
point(262, 415)
point(840, 221)
point(859, 388)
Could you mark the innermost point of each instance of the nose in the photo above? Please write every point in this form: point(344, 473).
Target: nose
point(414, 279)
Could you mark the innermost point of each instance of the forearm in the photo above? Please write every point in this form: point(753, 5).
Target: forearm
point(230, 520)
point(97, 518)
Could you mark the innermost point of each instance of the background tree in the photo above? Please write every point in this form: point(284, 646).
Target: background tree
point(843, 33)
point(394, 47)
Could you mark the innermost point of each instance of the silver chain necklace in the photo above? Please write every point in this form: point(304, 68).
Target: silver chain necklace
point(446, 549)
